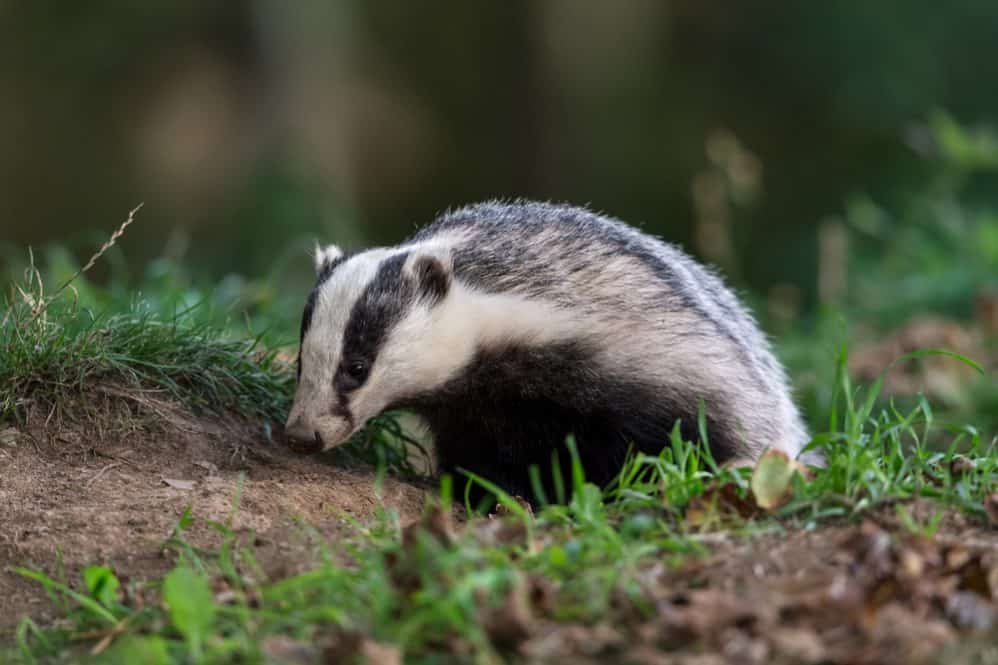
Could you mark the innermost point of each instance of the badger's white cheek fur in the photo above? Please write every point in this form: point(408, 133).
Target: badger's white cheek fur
point(374, 396)
point(333, 430)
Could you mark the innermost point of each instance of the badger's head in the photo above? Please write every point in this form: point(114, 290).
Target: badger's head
point(372, 336)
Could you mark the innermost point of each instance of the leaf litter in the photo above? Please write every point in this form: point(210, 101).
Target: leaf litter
point(873, 592)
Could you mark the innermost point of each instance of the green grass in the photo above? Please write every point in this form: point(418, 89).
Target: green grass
point(60, 347)
point(63, 356)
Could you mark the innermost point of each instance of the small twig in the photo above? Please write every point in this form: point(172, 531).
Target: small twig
point(97, 476)
point(108, 636)
point(48, 420)
point(103, 248)
point(121, 460)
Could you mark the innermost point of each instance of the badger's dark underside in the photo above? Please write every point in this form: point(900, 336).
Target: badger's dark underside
point(513, 407)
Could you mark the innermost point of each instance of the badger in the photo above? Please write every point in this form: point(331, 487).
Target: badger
point(508, 326)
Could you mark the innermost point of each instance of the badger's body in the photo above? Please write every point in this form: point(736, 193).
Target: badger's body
point(509, 326)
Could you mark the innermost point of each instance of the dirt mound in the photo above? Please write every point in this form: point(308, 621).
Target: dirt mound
point(76, 495)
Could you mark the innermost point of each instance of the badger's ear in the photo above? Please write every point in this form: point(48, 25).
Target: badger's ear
point(432, 271)
point(326, 257)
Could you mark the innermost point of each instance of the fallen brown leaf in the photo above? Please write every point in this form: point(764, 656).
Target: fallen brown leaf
point(179, 484)
point(719, 504)
point(502, 510)
point(961, 465)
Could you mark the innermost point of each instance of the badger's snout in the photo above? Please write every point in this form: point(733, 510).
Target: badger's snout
point(302, 438)
point(312, 437)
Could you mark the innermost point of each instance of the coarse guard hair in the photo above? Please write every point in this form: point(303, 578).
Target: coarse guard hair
point(509, 326)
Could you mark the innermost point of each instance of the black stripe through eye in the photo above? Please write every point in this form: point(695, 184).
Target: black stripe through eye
point(383, 303)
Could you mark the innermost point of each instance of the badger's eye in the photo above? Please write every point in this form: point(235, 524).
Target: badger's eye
point(357, 369)
point(352, 374)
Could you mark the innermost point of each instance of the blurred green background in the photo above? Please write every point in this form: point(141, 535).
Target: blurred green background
point(247, 126)
point(739, 130)
point(836, 160)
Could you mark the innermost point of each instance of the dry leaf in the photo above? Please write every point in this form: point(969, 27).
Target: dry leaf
point(961, 465)
point(772, 479)
point(719, 504)
point(179, 484)
point(502, 510)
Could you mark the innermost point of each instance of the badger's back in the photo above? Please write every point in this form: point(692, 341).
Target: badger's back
point(584, 260)
point(653, 335)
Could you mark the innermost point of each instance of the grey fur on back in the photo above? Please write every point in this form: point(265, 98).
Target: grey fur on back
point(633, 290)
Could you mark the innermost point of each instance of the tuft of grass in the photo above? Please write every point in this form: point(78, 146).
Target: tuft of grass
point(65, 350)
point(67, 353)
point(57, 352)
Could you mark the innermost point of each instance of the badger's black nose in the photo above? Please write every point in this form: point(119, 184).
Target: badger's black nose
point(300, 442)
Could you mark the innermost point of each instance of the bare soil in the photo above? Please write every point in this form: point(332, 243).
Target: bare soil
point(74, 496)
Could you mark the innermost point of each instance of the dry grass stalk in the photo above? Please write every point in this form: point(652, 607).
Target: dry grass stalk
point(37, 300)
